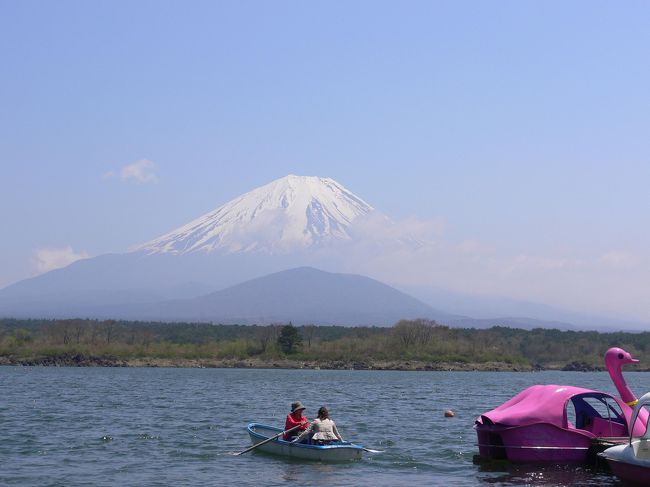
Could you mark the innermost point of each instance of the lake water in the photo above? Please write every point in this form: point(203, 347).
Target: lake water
point(155, 426)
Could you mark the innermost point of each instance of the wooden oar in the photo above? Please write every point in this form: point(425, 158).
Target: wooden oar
point(269, 439)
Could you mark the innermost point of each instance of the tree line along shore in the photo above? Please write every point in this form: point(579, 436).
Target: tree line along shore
point(408, 345)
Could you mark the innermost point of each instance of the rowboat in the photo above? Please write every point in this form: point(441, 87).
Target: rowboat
point(558, 423)
point(335, 452)
point(631, 461)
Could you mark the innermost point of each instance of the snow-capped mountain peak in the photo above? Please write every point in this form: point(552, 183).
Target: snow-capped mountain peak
point(289, 213)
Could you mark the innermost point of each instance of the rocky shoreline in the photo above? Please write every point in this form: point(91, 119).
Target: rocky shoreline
point(82, 360)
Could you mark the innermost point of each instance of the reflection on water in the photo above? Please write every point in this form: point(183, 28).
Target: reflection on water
point(294, 470)
point(549, 475)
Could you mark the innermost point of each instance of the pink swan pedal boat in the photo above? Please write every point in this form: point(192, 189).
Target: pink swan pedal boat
point(559, 423)
point(631, 462)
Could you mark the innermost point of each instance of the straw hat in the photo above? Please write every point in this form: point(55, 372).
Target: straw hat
point(295, 406)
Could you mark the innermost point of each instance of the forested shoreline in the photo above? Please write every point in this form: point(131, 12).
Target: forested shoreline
point(408, 345)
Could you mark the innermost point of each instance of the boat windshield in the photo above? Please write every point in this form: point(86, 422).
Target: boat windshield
point(597, 413)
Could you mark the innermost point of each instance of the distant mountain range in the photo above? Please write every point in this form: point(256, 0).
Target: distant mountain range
point(303, 296)
point(492, 310)
point(254, 260)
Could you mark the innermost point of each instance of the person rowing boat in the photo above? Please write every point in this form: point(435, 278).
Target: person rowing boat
point(295, 418)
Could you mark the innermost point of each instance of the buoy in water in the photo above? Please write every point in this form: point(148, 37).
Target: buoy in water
point(449, 413)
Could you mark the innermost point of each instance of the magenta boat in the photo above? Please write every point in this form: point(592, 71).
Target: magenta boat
point(631, 462)
point(558, 423)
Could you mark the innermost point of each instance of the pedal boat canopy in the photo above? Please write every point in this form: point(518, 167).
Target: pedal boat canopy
point(550, 422)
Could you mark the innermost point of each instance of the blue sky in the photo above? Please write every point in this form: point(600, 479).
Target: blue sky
point(520, 128)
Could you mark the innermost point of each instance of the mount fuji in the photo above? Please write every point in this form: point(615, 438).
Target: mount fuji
point(292, 222)
point(291, 213)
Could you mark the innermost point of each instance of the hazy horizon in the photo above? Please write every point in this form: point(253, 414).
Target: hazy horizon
point(511, 137)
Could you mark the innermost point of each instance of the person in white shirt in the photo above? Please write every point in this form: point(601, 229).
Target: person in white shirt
point(322, 430)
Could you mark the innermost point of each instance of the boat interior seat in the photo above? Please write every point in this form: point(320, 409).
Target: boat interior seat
point(583, 421)
point(603, 427)
point(600, 426)
point(583, 413)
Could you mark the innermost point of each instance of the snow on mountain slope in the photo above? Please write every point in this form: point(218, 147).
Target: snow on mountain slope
point(289, 213)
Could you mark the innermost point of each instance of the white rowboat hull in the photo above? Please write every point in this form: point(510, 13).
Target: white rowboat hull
point(336, 452)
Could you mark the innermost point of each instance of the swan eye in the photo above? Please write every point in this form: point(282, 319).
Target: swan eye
point(620, 356)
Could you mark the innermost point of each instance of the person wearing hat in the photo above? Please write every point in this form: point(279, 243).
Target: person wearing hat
point(323, 429)
point(295, 418)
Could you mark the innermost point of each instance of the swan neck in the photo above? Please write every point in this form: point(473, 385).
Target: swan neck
point(621, 386)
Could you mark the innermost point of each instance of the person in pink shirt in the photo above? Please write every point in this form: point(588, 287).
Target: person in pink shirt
point(295, 418)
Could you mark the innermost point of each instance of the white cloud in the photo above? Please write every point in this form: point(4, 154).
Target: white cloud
point(47, 259)
point(608, 280)
point(142, 172)
point(376, 227)
point(524, 262)
point(470, 246)
point(618, 259)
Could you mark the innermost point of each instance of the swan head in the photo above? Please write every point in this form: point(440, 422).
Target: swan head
point(616, 357)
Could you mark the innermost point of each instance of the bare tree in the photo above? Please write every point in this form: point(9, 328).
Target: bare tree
point(61, 331)
point(405, 333)
point(146, 337)
point(425, 329)
point(94, 332)
point(79, 329)
point(109, 327)
point(264, 337)
point(133, 333)
point(268, 336)
point(309, 332)
point(414, 332)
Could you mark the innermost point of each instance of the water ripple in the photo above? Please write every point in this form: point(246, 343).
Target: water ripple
point(150, 427)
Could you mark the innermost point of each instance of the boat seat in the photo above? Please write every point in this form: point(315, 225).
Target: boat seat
point(603, 427)
point(583, 422)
